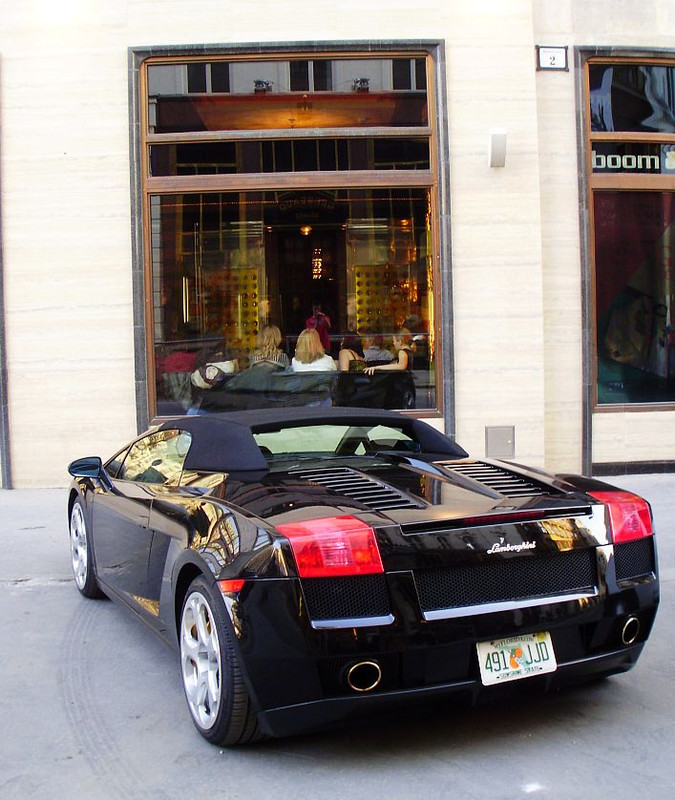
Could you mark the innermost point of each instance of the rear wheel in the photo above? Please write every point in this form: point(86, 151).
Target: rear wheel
point(216, 695)
point(81, 556)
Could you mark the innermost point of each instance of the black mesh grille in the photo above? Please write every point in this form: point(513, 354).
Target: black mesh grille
point(507, 580)
point(633, 559)
point(346, 598)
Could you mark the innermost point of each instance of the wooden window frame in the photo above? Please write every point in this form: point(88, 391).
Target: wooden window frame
point(436, 180)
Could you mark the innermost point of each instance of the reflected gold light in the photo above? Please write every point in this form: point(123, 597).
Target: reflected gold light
point(561, 531)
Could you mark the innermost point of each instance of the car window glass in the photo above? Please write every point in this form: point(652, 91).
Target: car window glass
point(334, 439)
point(112, 467)
point(157, 458)
point(384, 437)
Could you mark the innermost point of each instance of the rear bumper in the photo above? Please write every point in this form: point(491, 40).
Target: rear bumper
point(294, 719)
point(297, 674)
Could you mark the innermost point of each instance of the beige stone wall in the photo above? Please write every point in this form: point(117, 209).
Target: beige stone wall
point(66, 234)
point(561, 257)
point(515, 239)
point(496, 239)
point(616, 436)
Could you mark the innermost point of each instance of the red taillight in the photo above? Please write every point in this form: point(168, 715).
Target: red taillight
point(332, 546)
point(231, 587)
point(629, 515)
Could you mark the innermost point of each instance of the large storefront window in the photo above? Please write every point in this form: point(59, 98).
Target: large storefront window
point(635, 295)
point(632, 158)
point(226, 265)
point(282, 195)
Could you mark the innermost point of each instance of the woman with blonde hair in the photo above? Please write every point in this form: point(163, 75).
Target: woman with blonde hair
point(404, 358)
point(269, 350)
point(310, 355)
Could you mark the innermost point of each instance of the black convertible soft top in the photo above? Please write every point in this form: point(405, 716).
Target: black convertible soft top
point(225, 443)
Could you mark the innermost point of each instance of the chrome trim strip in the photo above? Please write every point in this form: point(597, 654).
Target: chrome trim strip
point(509, 605)
point(352, 622)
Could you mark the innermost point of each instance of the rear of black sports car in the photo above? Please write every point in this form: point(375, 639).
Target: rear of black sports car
point(388, 581)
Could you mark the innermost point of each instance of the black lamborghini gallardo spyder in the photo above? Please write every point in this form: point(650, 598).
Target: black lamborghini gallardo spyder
point(312, 565)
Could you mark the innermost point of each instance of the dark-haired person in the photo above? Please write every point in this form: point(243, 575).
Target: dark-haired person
point(351, 352)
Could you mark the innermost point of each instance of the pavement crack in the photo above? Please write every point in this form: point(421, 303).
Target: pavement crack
point(30, 583)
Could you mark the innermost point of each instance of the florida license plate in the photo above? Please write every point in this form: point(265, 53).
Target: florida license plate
point(515, 657)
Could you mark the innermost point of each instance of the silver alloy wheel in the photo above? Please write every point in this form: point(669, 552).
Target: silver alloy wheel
point(78, 546)
point(200, 660)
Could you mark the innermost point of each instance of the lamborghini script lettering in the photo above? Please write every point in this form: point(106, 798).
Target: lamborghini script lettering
point(500, 547)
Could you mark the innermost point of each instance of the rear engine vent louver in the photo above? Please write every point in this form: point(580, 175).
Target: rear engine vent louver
point(509, 484)
point(353, 484)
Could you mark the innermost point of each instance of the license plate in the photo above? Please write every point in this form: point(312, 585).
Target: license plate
point(515, 657)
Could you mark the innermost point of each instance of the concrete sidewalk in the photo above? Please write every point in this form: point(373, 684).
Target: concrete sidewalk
point(91, 703)
point(34, 536)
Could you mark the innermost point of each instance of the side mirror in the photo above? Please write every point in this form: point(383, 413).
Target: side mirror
point(90, 467)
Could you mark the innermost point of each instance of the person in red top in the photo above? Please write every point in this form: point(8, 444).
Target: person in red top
point(321, 324)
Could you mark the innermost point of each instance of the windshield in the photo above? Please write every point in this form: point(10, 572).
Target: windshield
point(334, 440)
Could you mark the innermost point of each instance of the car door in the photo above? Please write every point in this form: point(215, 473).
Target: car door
point(123, 538)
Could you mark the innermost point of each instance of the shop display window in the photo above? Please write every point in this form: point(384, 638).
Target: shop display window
point(631, 129)
point(226, 265)
point(280, 190)
point(635, 296)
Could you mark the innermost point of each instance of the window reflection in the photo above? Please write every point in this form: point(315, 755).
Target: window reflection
point(635, 296)
point(256, 95)
point(157, 458)
point(227, 264)
point(632, 97)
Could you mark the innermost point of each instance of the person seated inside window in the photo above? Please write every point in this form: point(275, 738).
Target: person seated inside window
point(269, 349)
point(310, 355)
point(374, 351)
point(404, 358)
point(351, 356)
point(213, 364)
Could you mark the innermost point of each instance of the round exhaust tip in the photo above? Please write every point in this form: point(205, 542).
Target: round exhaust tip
point(364, 676)
point(630, 630)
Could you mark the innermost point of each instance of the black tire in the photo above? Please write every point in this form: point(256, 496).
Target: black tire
point(215, 691)
point(82, 554)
